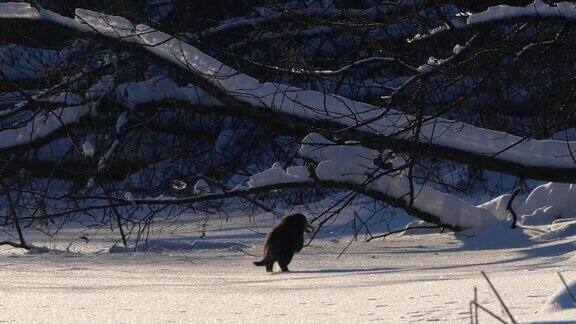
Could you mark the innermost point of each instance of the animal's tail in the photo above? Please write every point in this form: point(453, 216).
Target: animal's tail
point(260, 263)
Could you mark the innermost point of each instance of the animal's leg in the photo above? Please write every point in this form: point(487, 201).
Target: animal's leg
point(284, 261)
point(269, 266)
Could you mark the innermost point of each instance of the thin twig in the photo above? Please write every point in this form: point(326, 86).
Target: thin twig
point(489, 313)
point(499, 298)
point(567, 287)
point(402, 230)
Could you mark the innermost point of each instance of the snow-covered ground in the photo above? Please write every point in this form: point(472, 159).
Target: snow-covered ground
point(407, 278)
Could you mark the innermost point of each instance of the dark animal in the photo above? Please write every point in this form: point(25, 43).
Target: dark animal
point(283, 241)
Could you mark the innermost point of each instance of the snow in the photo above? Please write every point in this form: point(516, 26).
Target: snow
point(565, 135)
point(497, 206)
point(543, 205)
point(47, 122)
point(17, 10)
point(224, 142)
point(457, 49)
point(402, 279)
point(277, 175)
point(128, 195)
point(178, 184)
point(159, 246)
point(559, 230)
point(353, 164)
point(538, 8)
point(548, 202)
point(311, 104)
point(409, 277)
point(411, 230)
point(42, 125)
point(121, 122)
point(128, 94)
point(201, 187)
point(159, 89)
point(88, 149)
point(20, 62)
point(562, 299)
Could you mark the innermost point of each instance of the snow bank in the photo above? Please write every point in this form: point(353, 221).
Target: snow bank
point(561, 299)
point(353, 164)
point(498, 235)
point(497, 207)
point(547, 203)
point(565, 135)
point(558, 231)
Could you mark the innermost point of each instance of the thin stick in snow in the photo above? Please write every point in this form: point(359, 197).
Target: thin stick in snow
point(567, 287)
point(499, 298)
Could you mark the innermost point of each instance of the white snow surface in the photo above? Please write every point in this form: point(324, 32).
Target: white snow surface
point(562, 299)
point(402, 279)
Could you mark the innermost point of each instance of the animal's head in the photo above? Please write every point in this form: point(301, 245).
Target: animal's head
point(300, 220)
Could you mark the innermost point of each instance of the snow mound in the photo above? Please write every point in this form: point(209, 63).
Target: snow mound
point(548, 202)
point(558, 231)
point(561, 299)
point(160, 246)
point(497, 207)
point(353, 164)
point(493, 237)
point(545, 204)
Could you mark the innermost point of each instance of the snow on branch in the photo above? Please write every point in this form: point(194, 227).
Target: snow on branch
point(129, 95)
point(353, 164)
point(50, 121)
point(346, 167)
point(243, 94)
point(564, 11)
point(538, 9)
point(279, 15)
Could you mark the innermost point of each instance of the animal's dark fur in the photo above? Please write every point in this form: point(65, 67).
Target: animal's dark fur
point(283, 241)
